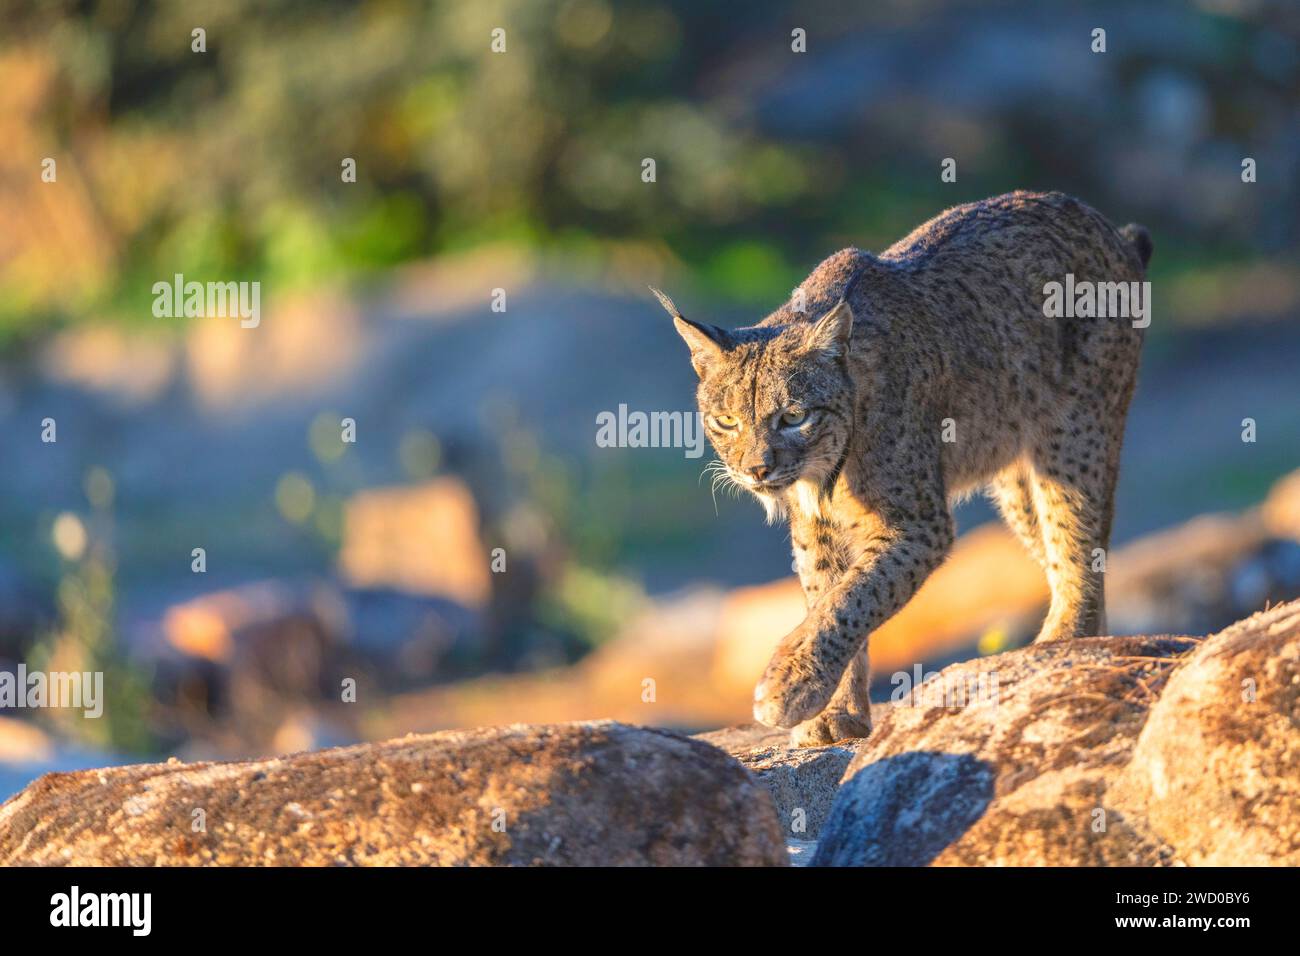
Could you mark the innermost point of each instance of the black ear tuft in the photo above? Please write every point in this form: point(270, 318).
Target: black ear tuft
point(1140, 240)
point(707, 342)
point(667, 303)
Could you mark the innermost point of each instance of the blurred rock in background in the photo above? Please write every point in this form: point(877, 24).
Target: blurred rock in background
point(422, 540)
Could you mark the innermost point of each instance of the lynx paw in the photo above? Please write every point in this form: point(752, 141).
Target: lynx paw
point(829, 727)
point(786, 696)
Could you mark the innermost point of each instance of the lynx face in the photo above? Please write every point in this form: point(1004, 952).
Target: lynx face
point(776, 401)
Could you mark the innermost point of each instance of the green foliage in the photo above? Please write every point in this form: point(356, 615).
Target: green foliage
point(83, 641)
point(226, 163)
point(588, 604)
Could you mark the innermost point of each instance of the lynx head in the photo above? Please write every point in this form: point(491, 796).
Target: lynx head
point(777, 402)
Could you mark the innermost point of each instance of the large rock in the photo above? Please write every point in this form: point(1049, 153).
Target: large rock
point(1003, 760)
point(1104, 751)
point(1216, 771)
point(579, 794)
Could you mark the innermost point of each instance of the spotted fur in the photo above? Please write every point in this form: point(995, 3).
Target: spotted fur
point(873, 362)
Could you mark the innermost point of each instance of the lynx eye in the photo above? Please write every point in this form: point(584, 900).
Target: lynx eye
point(792, 417)
point(729, 422)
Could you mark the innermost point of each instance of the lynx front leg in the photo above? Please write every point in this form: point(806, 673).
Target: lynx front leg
point(804, 673)
point(820, 565)
point(848, 715)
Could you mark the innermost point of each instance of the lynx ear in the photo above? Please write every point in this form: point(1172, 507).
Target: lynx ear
point(707, 342)
point(830, 334)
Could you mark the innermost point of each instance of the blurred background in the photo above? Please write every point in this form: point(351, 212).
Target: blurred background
point(474, 557)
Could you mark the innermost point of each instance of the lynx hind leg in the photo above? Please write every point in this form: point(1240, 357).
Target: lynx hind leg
point(1013, 494)
point(1073, 486)
point(847, 716)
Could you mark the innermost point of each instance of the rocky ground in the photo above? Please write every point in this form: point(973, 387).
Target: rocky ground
point(1148, 751)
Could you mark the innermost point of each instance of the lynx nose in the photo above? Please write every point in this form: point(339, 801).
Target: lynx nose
point(759, 472)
